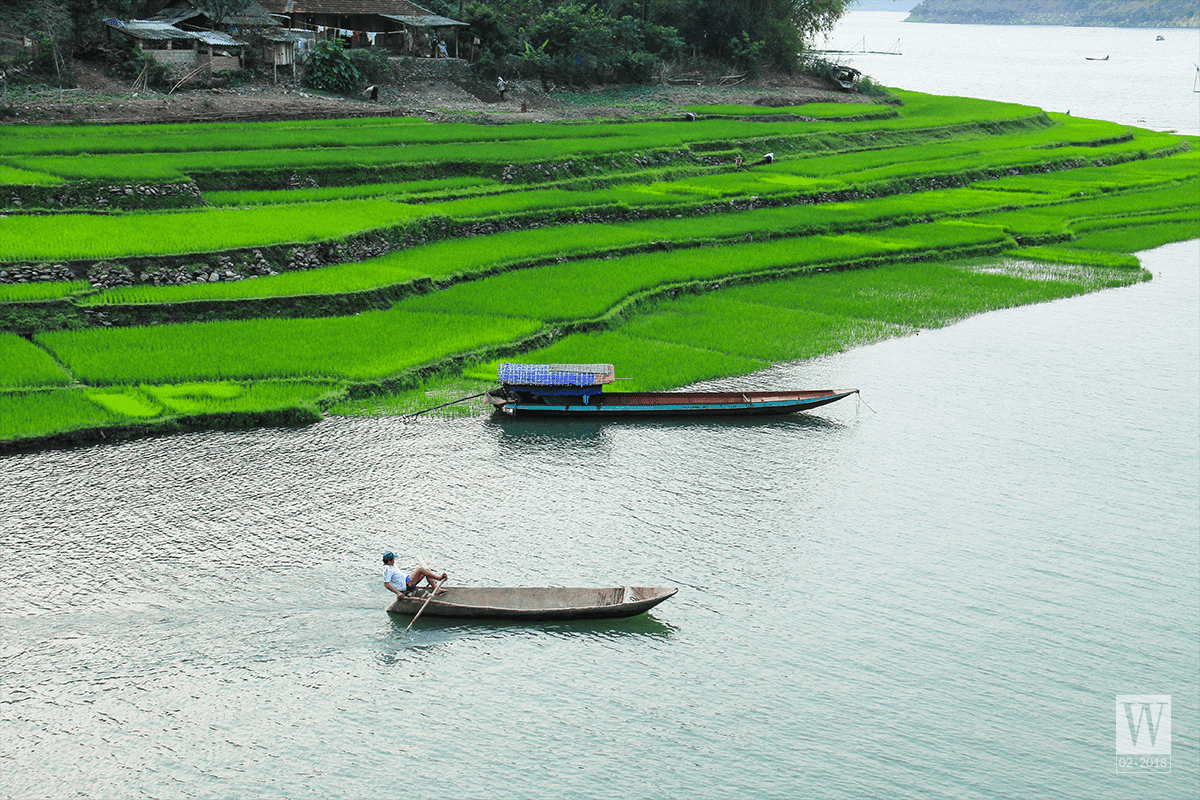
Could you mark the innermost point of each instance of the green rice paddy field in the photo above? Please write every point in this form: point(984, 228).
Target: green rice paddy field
point(644, 244)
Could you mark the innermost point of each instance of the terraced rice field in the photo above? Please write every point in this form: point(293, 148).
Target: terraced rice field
point(233, 274)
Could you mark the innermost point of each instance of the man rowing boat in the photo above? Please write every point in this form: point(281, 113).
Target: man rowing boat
point(400, 584)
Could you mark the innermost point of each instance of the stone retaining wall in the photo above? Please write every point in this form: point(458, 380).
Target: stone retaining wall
point(125, 196)
point(416, 70)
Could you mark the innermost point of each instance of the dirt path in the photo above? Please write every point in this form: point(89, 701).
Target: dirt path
point(101, 99)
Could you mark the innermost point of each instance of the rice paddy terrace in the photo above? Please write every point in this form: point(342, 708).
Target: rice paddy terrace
point(160, 278)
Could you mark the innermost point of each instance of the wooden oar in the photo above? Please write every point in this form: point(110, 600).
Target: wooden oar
point(432, 593)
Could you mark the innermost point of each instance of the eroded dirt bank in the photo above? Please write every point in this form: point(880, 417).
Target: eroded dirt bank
point(102, 99)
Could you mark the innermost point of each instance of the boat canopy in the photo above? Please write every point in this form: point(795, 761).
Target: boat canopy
point(557, 374)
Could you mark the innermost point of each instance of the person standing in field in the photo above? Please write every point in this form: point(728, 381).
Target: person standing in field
point(500, 87)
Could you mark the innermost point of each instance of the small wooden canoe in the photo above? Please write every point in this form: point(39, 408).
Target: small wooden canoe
point(534, 603)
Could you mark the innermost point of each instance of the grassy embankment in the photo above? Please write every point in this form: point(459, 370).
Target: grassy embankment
point(637, 243)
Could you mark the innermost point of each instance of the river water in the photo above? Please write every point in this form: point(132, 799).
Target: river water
point(1120, 74)
point(939, 594)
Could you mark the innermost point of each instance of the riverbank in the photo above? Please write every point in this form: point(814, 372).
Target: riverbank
point(677, 247)
point(101, 99)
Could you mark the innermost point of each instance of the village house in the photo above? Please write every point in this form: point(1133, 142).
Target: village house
point(184, 37)
point(182, 52)
point(402, 27)
point(188, 41)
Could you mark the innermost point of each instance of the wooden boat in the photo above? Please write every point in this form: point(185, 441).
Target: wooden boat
point(534, 603)
point(576, 390)
point(846, 77)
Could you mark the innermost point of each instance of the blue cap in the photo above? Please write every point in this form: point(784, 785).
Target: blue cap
point(389, 556)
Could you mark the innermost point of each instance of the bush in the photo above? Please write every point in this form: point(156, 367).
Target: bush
point(237, 77)
point(818, 66)
point(137, 62)
point(372, 65)
point(331, 69)
point(748, 54)
point(42, 63)
point(572, 44)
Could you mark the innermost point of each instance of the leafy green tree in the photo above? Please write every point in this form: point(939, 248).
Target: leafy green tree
point(218, 10)
point(329, 68)
point(88, 31)
point(715, 28)
point(584, 41)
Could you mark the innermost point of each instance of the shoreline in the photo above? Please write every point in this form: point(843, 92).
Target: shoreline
point(153, 400)
point(102, 100)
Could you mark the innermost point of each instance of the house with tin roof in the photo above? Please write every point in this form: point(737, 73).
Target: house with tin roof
point(186, 15)
point(267, 34)
point(398, 25)
point(182, 52)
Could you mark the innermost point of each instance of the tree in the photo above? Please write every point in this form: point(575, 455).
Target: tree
point(747, 32)
point(331, 69)
point(218, 10)
point(582, 41)
point(816, 16)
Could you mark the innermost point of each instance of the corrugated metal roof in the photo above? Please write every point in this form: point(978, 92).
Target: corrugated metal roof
point(399, 10)
point(252, 16)
point(426, 21)
point(218, 39)
point(172, 16)
point(281, 35)
point(155, 31)
point(149, 29)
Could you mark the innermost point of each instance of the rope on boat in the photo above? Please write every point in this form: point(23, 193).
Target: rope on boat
point(443, 405)
point(864, 402)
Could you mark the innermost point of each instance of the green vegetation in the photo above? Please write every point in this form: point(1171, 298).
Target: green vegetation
point(219, 155)
point(45, 413)
point(26, 292)
point(578, 43)
point(587, 289)
point(747, 328)
point(446, 247)
point(77, 236)
point(22, 364)
point(365, 347)
point(809, 111)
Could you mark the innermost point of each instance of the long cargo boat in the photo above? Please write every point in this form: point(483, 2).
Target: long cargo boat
point(577, 390)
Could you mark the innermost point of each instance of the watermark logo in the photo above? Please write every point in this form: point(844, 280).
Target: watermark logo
point(1143, 733)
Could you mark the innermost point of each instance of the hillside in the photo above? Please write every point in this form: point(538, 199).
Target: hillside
point(1079, 13)
point(166, 277)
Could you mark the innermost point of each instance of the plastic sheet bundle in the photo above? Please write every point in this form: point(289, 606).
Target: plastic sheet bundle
point(557, 374)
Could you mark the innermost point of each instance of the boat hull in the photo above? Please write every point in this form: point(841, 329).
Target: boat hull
point(533, 603)
point(662, 404)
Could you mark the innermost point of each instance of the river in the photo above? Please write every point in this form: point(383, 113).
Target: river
point(937, 592)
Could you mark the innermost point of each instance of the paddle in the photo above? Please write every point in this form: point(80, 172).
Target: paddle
point(422, 608)
point(432, 593)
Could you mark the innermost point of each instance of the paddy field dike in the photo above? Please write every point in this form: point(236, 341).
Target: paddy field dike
point(157, 278)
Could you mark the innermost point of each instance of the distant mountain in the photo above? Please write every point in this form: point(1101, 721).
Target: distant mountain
point(883, 5)
point(1089, 13)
